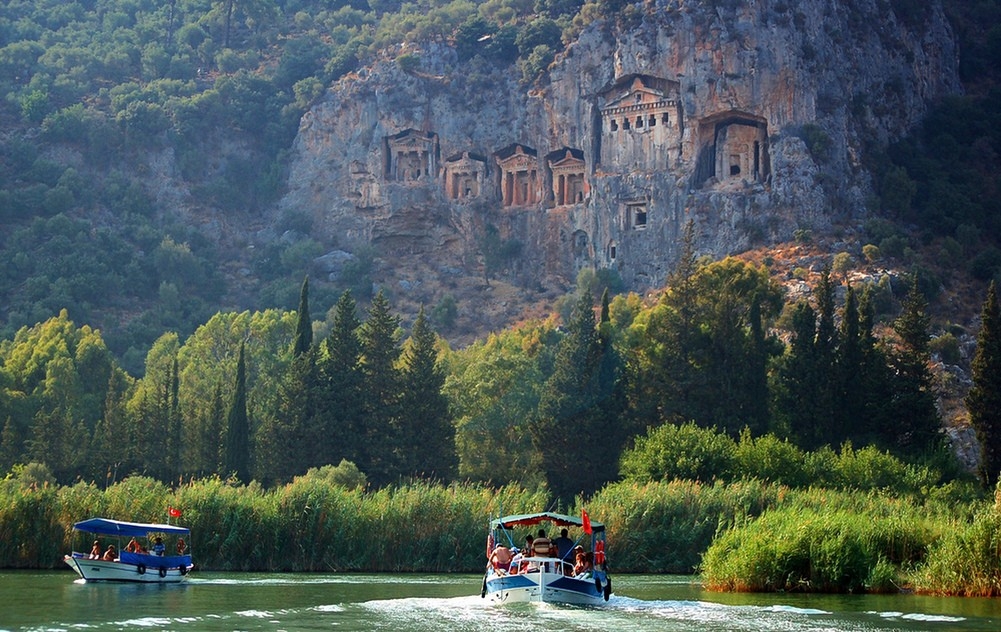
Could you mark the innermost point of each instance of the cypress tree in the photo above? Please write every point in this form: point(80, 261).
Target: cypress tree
point(210, 437)
point(174, 445)
point(850, 393)
point(984, 399)
point(237, 462)
point(303, 326)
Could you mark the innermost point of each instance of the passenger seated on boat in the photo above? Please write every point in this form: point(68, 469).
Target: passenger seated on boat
point(501, 559)
point(542, 546)
point(584, 563)
point(182, 546)
point(516, 558)
point(95, 551)
point(132, 546)
point(109, 555)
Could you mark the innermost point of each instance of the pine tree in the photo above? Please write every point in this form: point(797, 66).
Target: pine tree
point(380, 351)
point(915, 419)
point(427, 434)
point(984, 399)
point(237, 460)
point(340, 390)
point(577, 432)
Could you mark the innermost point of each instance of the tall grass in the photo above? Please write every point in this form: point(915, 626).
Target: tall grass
point(307, 525)
point(665, 527)
point(745, 535)
point(967, 560)
point(822, 541)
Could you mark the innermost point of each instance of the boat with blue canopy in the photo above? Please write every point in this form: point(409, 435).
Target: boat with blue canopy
point(143, 559)
point(545, 570)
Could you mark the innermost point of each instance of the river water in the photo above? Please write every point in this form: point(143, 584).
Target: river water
point(32, 600)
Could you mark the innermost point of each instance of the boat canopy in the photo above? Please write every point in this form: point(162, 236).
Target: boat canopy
point(105, 526)
point(527, 520)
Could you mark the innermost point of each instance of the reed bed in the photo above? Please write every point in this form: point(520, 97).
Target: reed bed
point(965, 561)
point(823, 542)
point(743, 536)
point(664, 527)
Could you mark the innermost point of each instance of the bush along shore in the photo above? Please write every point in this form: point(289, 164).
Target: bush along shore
point(741, 536)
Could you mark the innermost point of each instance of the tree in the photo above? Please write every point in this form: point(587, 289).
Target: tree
point(340, 396)
point(428, 438)
point(576, 432)
point(984, 399)
point(380, 351)
point(304, 326)
point(237, 462)
point(916, 423)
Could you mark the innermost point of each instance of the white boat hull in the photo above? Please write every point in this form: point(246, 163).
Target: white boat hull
point(100, 570)
point(546, 587)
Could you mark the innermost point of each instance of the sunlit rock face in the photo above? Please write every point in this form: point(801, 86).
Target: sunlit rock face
point(685, 111)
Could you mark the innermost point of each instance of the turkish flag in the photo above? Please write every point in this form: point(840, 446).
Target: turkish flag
point(174, 513)
point(586, 519)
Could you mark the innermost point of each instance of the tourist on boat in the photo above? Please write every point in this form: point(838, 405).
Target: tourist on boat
point(527, 552)
point(583, 563)
point(542, 545)
point(182, 546)
point(501, 558)
point(132, 546)
point(109, 555)
point(158, 547)
point(564, 545)
point(516, 559)
point(95, 551)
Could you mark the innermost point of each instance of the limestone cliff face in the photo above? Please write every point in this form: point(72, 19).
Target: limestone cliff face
point(685, 111)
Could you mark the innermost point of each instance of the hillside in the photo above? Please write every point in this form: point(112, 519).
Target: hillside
point(160, 164)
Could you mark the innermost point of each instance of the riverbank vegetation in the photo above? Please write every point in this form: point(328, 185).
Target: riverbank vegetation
point(743, 535)
point(837, 479)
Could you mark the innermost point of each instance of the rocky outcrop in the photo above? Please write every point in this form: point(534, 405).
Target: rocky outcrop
point(750, 119)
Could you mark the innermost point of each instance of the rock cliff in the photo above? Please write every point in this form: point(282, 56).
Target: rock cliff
point(752, 119)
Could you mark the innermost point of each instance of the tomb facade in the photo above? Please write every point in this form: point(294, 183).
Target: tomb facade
point(411, 157)
point(734, 150)
point(519, 175)
point(568, 168)
point(641, 124)
point(464, 175)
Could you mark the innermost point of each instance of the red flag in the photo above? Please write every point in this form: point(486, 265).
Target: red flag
point(174, 513)
point(586, 519)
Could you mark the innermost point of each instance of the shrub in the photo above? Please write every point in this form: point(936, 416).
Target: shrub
point(871, 253)
point(683, 452)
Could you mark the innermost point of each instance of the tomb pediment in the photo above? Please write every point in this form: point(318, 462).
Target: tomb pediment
point(516, 157)
point(566, 159)
point(465, 162)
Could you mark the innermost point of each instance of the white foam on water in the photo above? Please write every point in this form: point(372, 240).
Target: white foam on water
point(932, 618)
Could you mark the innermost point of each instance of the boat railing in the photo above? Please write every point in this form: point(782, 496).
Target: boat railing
point(536, 563)
point(155, 561)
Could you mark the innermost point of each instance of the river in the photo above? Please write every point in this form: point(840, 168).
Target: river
point(37, 601)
